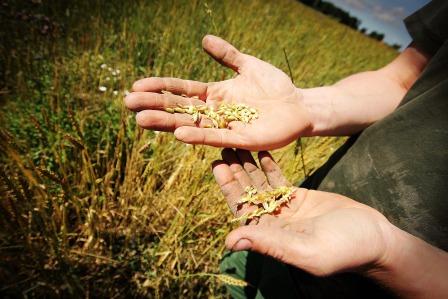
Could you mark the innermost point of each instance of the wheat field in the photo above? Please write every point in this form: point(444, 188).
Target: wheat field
point(91, 205)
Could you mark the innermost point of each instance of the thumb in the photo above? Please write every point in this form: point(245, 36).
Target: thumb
point(223, 52)
point(278, 243)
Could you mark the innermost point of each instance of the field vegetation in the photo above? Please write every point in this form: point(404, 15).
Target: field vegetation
point(91, 205)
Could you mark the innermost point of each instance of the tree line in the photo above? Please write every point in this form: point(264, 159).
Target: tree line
point(344, 17)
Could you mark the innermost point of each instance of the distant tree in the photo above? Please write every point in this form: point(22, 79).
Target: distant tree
point(343, 17)
point(314, 3)
point(396, 46)
point(376, 35)
point(330, 9)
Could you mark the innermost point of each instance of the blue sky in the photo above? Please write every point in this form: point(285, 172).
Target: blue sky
point(384, 16)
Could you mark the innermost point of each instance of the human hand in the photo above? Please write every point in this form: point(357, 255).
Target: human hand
point(282, 116)
point(319, 232)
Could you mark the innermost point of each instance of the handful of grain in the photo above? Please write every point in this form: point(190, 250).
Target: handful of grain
point(221, 117)
point(267, 202)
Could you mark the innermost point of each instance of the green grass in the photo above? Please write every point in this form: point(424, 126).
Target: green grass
point(92, 206)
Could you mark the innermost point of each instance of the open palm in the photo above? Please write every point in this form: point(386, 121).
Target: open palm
point(319, 232)
point(282, 117)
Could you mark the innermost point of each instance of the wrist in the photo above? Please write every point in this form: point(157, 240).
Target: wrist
point(393, 241)
point(388, 264)
point(409, 266)
point(319, 107)
point(340, 109)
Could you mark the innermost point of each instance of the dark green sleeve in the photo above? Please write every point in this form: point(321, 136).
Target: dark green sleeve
point(428, 26)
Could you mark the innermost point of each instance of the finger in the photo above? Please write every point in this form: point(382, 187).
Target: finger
point(164, 121)
point(137, 101)
point(230, 187)
point(231, 158)
point(286, 246)
point(209, 136)
point(272, 170)
point(174, 85)
point(223, 52)
point(250, 166)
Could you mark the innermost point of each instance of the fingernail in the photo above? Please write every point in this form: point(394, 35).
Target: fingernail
point(127, 99)
point(136, 85)
point(178, 133)
point(242, 244)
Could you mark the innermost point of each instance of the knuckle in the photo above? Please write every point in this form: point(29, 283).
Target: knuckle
point(226, 186)
point(230, 55)
point(237, 170)
point(251, 169)
point(187, 87)
point(264, 184)
point(159, 100)
point(203, 139)
point(168, 84)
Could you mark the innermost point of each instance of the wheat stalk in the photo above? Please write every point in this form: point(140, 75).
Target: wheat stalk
point(230, 280)
point(224, 278)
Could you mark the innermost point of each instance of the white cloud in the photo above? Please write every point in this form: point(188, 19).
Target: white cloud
point(385, 14)
point(390, 15)
point(358, 4)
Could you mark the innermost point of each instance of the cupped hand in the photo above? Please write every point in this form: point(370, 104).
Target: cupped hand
point(319, 232)
point(282, 116)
